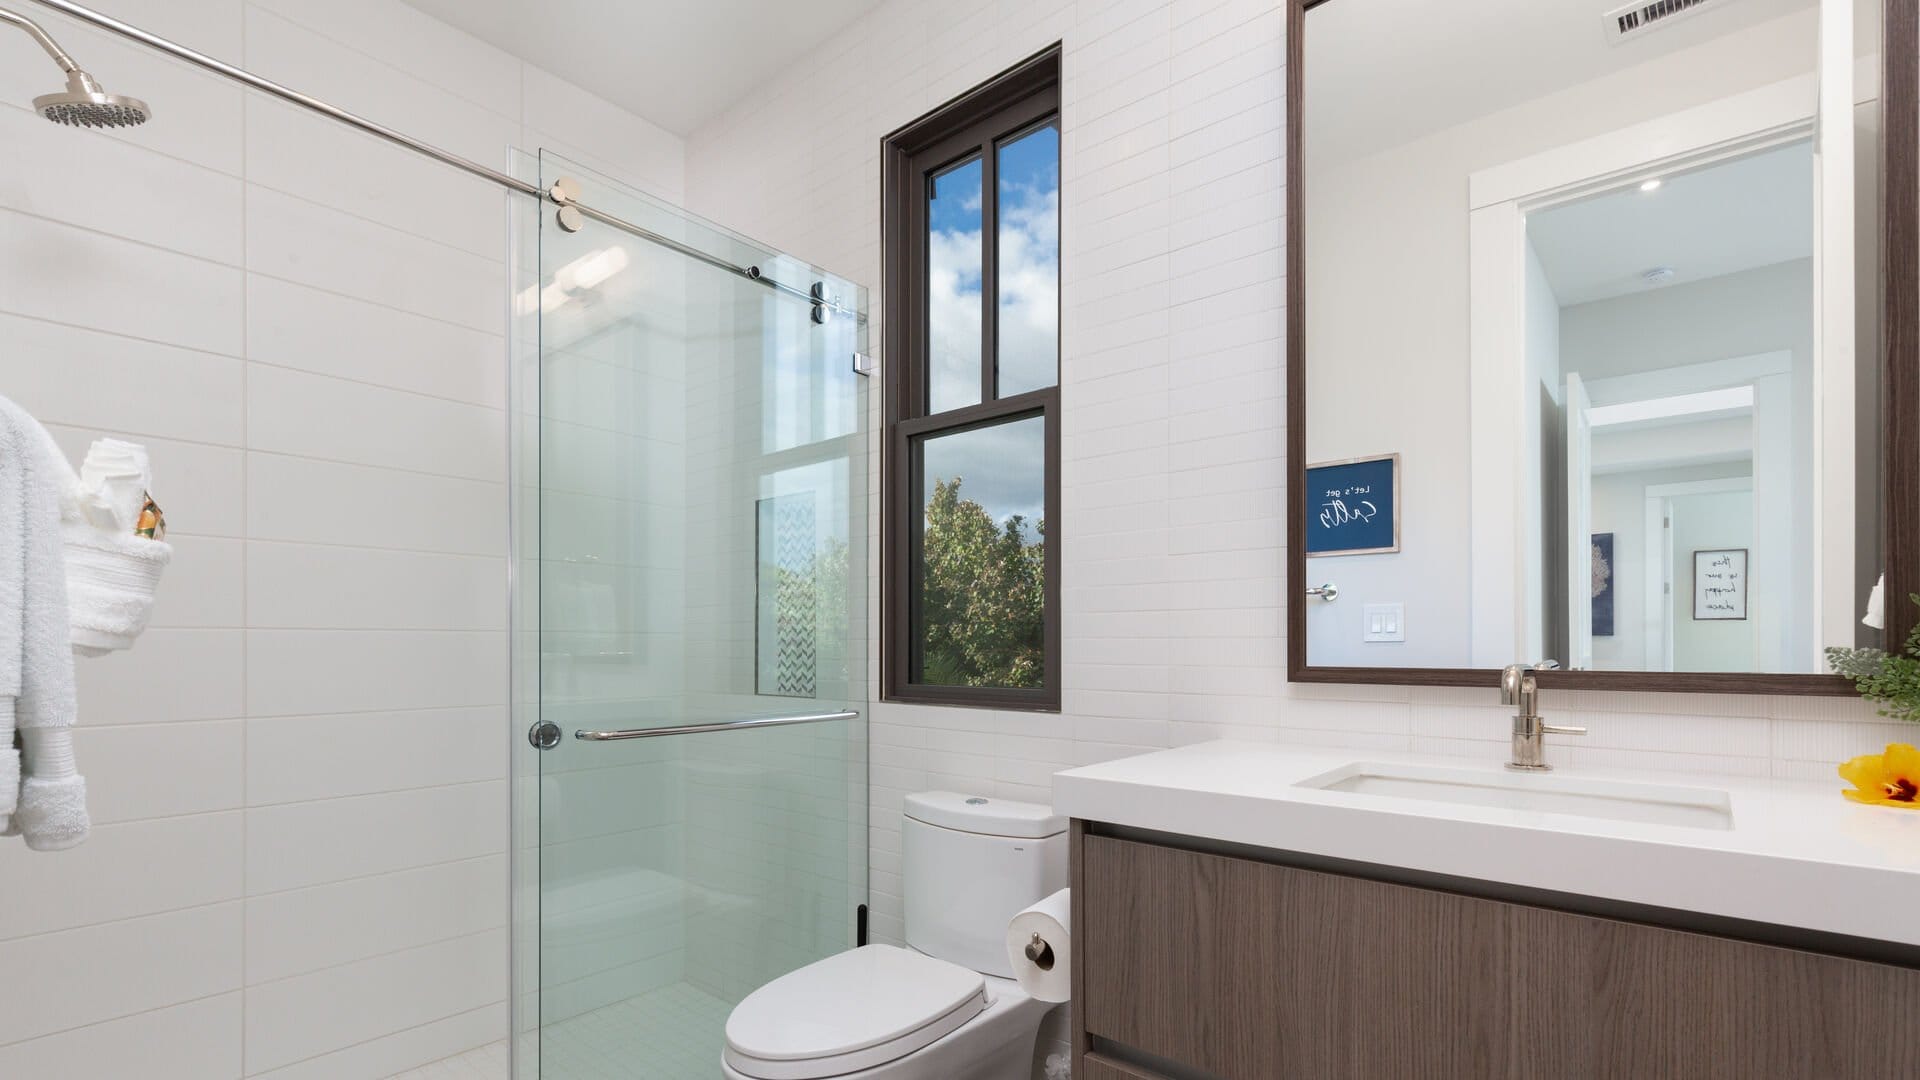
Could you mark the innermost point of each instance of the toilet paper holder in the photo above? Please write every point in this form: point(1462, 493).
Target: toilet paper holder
point(1040, 953)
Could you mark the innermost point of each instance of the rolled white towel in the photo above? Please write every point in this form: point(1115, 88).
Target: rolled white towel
point(52, 813)
point(9, 768)
point(112, 484)
point(111, 578)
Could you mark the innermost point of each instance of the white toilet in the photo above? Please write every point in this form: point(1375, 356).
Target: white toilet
point(946, 1008)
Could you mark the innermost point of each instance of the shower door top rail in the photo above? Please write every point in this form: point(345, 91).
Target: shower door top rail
point(445, 157)
point(719, 725)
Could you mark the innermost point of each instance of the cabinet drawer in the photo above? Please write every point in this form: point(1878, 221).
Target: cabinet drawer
point(1251, 970)
point(1100, 1067)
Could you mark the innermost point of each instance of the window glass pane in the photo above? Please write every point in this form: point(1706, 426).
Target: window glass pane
point(953, 288)
point(981, 577)
point(1029, 261)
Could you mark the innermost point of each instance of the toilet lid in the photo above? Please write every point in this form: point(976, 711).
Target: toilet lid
point(850, 1011)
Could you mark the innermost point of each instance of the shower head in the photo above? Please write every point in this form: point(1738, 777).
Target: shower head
point(84, 103)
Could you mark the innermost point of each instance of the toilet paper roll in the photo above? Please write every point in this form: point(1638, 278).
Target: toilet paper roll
point(1050, 976)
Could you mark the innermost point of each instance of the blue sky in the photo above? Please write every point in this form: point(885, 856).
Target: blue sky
point(1001, 467)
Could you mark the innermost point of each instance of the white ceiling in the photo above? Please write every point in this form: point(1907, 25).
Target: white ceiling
point(1735, 215)
point(1382, 72)
point(676, 64)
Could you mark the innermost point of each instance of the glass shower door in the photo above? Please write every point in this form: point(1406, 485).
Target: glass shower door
point(700, 495)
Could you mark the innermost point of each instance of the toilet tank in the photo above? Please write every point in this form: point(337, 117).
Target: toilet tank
point(968, 865)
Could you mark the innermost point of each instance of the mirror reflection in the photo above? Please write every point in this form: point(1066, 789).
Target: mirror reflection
point(1590, 355)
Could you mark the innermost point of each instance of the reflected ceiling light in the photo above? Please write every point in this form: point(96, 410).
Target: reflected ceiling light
point(1732, 400)
point(590, 270)
point(1650, 185)
point(583, 274)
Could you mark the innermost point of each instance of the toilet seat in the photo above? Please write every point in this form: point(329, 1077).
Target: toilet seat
point(851, 1011)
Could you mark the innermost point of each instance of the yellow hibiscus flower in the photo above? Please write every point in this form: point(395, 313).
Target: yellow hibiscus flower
point(1889, 779)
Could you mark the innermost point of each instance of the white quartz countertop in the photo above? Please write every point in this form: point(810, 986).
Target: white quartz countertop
point(1797, 854)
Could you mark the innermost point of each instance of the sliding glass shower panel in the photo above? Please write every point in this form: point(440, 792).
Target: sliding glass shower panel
point(701, 539)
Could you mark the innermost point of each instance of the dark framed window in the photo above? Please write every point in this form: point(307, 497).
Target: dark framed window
point(970, 506)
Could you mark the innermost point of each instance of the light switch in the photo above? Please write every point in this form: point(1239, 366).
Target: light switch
point(1383, 622)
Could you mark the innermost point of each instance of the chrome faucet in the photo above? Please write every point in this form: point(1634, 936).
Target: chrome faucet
point(1518, 688)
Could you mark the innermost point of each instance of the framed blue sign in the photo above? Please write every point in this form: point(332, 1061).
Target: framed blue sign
point(1353, 506)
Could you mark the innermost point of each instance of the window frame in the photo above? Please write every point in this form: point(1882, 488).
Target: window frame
point(997, 112)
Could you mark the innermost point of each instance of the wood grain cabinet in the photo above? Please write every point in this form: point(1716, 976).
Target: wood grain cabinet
point(1191, 964)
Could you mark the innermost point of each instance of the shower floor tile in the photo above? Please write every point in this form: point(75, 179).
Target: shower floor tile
point(673, 1033)
point(665, 1034)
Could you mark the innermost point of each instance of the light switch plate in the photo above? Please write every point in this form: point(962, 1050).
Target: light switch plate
point(1383, 622)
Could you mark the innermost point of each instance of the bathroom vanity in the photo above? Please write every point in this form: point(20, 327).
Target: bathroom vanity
point(1251, 911)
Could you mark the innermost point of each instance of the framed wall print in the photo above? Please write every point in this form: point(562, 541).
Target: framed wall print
point(1720, 583)
point(1353, 506)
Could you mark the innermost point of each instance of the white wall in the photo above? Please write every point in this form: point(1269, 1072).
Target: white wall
point(298, 867)
point(1704, 522)
point(1764, 310)
point(1620, 507)
point(1173, 514)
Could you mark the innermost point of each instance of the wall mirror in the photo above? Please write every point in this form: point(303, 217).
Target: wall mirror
point(1595, 353)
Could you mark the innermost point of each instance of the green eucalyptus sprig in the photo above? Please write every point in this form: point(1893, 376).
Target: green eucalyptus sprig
point(1880, 676)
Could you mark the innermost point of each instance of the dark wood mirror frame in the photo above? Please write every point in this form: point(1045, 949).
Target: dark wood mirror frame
point(1900, 444)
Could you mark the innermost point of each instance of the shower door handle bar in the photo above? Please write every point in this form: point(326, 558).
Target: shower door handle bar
point(721, 725)
point(446, 157)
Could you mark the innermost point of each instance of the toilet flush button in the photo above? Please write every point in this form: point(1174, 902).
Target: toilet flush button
point(976, 801)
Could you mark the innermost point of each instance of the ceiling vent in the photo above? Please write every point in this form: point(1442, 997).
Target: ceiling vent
point(1630, 22)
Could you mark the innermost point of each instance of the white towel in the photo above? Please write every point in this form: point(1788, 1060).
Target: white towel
point(36, 660)
point(111, 578)
point(111, 572)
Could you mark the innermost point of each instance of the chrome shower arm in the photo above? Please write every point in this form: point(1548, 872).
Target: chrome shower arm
point(45, 39)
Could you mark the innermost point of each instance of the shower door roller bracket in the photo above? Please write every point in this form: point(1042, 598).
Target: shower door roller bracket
point(565, 192)
point(544, 735)
point(821, 310)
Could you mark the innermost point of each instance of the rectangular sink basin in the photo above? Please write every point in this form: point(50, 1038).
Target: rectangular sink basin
point(1546, 793)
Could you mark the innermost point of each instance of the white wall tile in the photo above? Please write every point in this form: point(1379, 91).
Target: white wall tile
point(171, 675)
point(299, 672)
point(307, 501)
point(55, 372)
point(202, 585)
point(304, 930)
point(199, 1040)
point(157, 961)
point(291, 150)
point(186, 862)
point(204, 769)
point(388, 1055)
point(297, 326)
point(294, 1019)
point(75, 276)
point(312, 843)
point(304, 242)
point(299, 758)
point(293, 412)
point(309, 586)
